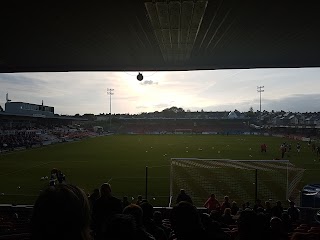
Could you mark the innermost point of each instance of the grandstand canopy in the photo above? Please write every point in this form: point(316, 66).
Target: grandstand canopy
point(140, 35)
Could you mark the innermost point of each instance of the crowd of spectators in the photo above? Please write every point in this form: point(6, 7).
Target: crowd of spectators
point(65, 212)
point(18, 139)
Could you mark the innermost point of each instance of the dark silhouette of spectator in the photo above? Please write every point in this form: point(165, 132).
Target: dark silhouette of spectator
point(137, 213)
point(121, 227)
point(216, 216)
point(61, 212)
point(185, 222)
point(247, 205)
point(293, 212)
point(234, 208)
point(263, 226)
point(157, 218)
point(212, 203)
point(225, 204)
point(212, 228)
point(277, 232)
point(125, 202)
point(61, 177)
point(149, 224)
point(184, 197)
point(268, 209)
point(94, 197)
point(227, 217)
point(257, 205)
point(287, 223)
point(247, 225)
point(277, 210)
point(139, 200)
point(105, 207)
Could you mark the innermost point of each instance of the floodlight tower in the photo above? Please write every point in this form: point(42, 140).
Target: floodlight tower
point(110, 92)
point(260, 90)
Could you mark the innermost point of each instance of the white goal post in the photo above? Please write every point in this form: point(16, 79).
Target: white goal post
point(242, 180)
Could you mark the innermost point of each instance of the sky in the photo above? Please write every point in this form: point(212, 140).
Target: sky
point(294, 89)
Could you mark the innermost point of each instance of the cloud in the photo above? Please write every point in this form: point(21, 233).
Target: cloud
point(293, 103)
point(141, 107)
point(148, 82)
point(162, 105)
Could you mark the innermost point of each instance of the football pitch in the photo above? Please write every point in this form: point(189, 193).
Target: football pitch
point(121, 160)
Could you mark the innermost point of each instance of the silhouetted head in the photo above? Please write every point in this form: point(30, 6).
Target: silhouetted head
point(276, 224)
point(213, 196)
point(135, 211)
point(227, 211)
point(105, 190)
point(147, 209)
point(247, 224)
point(184, 218)
point(157, 217)
point(61, 212)
point(268, 204)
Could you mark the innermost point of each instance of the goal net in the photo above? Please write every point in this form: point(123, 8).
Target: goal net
point(242, 180)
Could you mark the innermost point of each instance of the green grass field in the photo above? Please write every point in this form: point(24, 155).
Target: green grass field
point(121, 160)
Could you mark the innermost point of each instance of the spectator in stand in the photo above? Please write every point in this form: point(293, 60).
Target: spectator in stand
point(185, 222)
point(137, 213)
point(105, 207)
point(212, 203)
point(277, 232)
point(184, 197)
point(293, 212)
point(257, 205)
point(149, 224)
point(216, 216)
point(234, 208)
point(94, 197)
point(277, 210)
point(121, 227)
point(157, 217)
point(227, 218)
point(247, 225)
point(287, 223)
point(61, 212)
point(139, 200)
point(212, 228)
point(125, 202)
point(268, 209)
point(263, 226)
point(61, 177)
point(225, 204)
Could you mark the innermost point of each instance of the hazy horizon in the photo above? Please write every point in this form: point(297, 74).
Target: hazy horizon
point(289, 89)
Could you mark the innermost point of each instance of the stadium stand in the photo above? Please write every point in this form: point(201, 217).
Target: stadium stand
point(183, 221)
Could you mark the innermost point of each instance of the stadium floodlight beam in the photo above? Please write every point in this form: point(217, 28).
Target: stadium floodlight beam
point(110, 92)
point(260, 90)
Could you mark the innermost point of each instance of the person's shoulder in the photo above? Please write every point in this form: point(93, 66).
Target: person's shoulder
point(115, 199)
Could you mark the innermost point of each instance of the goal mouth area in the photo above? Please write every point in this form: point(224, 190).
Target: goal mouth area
point(242, 180)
